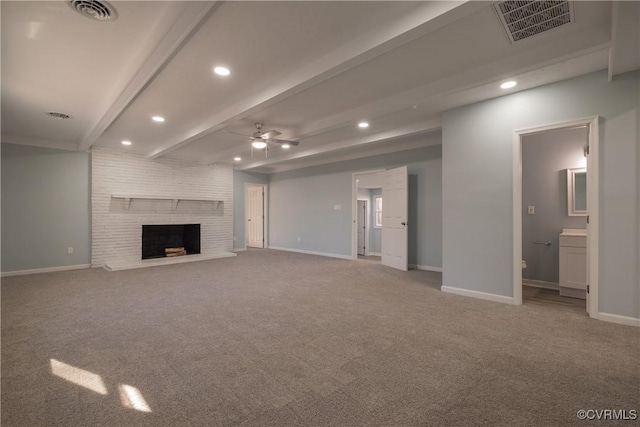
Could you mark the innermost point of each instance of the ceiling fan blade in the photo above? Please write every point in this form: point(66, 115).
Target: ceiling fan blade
point(237, 133)
point(271, 134)
point(284, 141)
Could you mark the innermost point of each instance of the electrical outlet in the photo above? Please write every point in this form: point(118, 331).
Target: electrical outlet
point(70, 250)
point(531, 210)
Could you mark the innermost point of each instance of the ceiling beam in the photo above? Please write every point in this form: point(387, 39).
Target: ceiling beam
point(441, 94)
point(624, 53)
point(375, 149)
point(451, 91)
point(486, 73)
point(192, 15)
point(39, 142)
point(422, 127)
point(615, 8)
point(426, 18)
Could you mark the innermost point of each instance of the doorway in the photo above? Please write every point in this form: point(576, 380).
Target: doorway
point(554, 223)
point(255, 215)
point(391, 221)
point(368, 232)
point(543, 244)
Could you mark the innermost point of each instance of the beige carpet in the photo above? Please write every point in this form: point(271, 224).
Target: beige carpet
point(276, 338)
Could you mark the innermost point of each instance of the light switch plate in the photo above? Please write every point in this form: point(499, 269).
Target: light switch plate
point(531, 210)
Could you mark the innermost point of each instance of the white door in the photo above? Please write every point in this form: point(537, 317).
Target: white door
point(394, 218)
point(255, 217)
point(362, 226)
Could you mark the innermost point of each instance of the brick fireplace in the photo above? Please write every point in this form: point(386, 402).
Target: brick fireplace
point(130, 191)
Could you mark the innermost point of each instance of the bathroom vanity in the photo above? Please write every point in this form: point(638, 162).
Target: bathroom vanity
point(573, 263)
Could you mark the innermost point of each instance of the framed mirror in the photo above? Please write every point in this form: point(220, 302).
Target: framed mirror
point(577, 192)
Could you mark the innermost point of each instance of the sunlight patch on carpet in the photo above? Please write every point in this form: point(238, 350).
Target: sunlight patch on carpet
point(132, 398)
point(78, 376)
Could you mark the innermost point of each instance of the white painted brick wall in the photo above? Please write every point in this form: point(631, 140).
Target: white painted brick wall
point(117, 234)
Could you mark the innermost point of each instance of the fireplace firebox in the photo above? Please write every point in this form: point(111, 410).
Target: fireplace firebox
point(156, 239)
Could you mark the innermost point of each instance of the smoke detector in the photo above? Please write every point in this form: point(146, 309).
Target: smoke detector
point(526, 18)
point(56, 115)
point(94, 9)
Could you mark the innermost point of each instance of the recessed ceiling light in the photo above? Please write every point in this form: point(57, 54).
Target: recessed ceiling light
point(508, 85)
point(126, 142)
point(285, 146)
point(363, 125)
point(222, 71)
point(158, 119)
point(237, 159)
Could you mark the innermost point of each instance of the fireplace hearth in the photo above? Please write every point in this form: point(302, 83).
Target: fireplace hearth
point(156, 239)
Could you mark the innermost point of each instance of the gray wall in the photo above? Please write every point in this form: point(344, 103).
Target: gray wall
point(545, 159)
point(239, 179)
point(477, 183)
point(45, 208)
point(302, 204)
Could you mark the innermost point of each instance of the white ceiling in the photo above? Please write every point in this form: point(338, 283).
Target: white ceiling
point(312, 70)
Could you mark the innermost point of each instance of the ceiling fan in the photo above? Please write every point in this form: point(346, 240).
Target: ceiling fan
point(260, 140)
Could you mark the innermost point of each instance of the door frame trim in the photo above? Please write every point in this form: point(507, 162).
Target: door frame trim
point(265, 212)
point(354, 209)
point(592, 205)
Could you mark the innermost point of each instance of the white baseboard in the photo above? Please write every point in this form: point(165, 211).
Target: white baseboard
point(302, 251)
point(477, 294)
point(44, 270)
point(541, 284)
point(426, 267)
point(374, 254)
point(621, 320)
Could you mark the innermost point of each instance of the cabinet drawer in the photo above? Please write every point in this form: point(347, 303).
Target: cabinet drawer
point(573, 241)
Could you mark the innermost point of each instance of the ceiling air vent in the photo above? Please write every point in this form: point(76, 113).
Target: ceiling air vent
point(523, 19)
point(93, 9)
point(58, 115)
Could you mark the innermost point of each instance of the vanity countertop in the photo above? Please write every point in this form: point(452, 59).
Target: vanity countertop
point(574, 232)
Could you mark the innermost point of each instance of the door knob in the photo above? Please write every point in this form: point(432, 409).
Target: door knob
point(403, 223)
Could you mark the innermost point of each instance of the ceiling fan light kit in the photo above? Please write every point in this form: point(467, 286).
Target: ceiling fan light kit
point(259, 144)
point(260, 140)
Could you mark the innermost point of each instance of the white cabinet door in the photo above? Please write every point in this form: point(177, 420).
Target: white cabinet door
point(573, 267)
